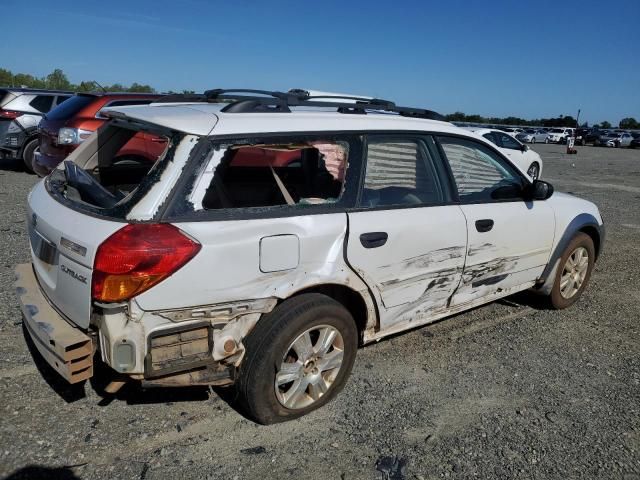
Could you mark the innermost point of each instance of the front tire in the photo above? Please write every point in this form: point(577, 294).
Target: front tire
point(28, 154)
point(574, 271)
point(546, 140)
point(534, 170)
point(533, 140)
point(298, 357)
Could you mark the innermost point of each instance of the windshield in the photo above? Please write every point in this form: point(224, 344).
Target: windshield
point(70, 107)
point(556, 130)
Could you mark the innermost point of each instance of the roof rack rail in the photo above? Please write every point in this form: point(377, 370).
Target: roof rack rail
point(257, 101)
point(181, 97)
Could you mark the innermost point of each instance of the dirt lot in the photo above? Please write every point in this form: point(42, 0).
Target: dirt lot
point(508, 390)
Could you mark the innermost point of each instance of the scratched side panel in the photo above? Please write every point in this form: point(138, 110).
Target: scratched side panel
point(227, 268)
point(514, 252)
point(419, 266)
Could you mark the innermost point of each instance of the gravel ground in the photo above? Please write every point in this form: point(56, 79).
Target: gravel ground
point(508, 390)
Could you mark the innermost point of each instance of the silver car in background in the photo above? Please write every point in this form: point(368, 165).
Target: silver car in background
point(615, 139)
point(532, 135)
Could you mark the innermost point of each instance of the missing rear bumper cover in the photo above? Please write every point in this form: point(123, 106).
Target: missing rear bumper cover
point(179, 349)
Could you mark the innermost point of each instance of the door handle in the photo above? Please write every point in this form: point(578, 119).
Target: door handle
point(484, 225)
point(373, 239)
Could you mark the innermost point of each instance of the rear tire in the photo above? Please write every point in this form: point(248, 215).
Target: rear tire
point(574, 271)
point(307, 378)
point(28, 154)
point(533, 140)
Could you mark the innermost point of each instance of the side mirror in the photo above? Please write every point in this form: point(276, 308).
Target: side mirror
point(524, 147)
point(541, 190)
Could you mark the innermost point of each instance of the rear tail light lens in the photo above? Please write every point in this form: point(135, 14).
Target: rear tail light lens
point(137, 257)
point(10, 114)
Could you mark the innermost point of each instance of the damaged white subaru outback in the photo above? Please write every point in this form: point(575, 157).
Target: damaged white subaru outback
point(276, 234)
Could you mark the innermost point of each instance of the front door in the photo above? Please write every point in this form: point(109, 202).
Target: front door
point(509, 239)
point(406, 240)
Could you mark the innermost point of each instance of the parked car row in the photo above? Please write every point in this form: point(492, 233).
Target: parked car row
point(328, 224)
point(582, 136)
point(21, 110)
point(614, 139)
point(66, 127)
point(42, 127)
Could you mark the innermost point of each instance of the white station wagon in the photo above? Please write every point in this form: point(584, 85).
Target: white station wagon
point(276, 234)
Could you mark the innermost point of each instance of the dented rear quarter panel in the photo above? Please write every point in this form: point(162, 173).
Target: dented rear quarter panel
point(228, 269)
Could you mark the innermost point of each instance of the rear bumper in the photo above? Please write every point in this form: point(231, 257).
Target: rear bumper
point(8, 153)
point(66, 348)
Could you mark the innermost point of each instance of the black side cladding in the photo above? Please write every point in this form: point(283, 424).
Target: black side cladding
point(580, 223)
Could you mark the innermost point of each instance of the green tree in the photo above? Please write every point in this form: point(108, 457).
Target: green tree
point(605, 124)
point(116, 87)
point(6, 77)
point(629, 123)
point(24, 79)
point(139, 88)
point(86, 86)
point(456, 117)
point(57, 80)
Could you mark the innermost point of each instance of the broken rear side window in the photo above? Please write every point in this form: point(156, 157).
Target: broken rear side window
point(285, 171)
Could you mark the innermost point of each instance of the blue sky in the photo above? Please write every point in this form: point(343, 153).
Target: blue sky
point(528, 59)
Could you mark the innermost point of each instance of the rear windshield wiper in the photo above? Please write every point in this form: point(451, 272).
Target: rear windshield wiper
point(88, 187)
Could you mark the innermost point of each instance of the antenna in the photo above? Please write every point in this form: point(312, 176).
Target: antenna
point(99, 86)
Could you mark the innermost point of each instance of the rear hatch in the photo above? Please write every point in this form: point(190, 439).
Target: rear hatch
point(63, 245)
point(78, 206)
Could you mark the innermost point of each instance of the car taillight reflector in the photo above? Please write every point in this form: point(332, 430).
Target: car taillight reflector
point(137, 257)
point(10, 114)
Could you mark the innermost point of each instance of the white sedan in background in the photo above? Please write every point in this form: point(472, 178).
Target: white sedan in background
point(519, 153)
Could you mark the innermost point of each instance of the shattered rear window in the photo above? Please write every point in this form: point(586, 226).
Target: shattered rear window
point(105, 179)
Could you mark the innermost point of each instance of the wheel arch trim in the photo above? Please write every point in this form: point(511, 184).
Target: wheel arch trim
point(585, 223)
point(359, 303)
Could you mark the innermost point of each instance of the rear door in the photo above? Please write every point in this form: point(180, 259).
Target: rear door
point(406, 239)
point(509, 239)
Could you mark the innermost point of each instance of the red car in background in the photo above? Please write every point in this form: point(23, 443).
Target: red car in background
point(69, 124)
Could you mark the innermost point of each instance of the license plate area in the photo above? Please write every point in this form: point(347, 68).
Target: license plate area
point(43, 249)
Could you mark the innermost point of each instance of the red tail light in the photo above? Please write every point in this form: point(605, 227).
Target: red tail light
point(137, 257)
point(10, 114)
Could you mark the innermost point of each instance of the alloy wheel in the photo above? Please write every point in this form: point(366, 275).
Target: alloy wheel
point(574, 272)
point(309, 367)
